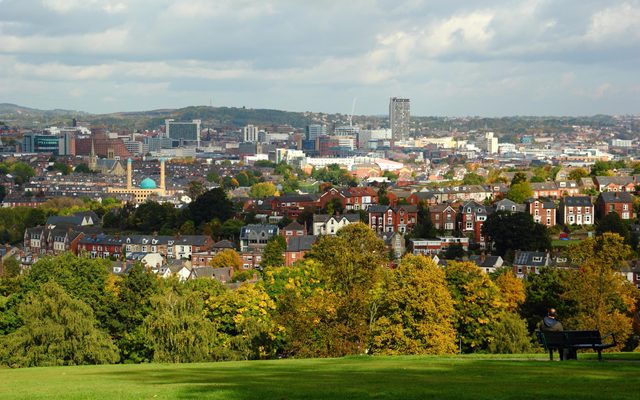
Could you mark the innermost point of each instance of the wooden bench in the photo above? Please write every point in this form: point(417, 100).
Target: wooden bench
point(568, 342)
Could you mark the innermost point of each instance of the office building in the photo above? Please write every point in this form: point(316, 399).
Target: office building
point(183, 133)
point(399, 118)
point(314, 131)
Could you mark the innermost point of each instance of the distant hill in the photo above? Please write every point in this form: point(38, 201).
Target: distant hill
point(211, 117)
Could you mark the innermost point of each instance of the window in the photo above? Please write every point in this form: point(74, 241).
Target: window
point(437, 217)
point(548, 221)
point(570, 210)
point(469, 225)
point(625, 207)
point(537, 259)
point(548, 212)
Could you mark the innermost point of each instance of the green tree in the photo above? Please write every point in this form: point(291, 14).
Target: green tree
point(11, 267)
point(131, 305)
point(424, 227)
point(57, 330)
point(601, 168)
point(614, 224)
point(543, 291)
point(477, 303)
point(515, 231)
point(454, 252)
point(471, 178)
point(510, 335)
point(187, 228)
point(519, 192)
point(82, 278)
point(82, 169)
point(273, 254)
point(211, 204)
point(261, 190)
point(178, 329)
point(417, 313)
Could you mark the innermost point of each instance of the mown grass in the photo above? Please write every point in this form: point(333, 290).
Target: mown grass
point(457, 377)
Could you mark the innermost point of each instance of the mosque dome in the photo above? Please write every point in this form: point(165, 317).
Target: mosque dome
point(148, 183)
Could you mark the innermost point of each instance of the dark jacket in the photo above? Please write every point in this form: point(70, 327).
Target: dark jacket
point(549, 324)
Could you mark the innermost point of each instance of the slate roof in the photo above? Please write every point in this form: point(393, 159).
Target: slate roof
point(531, 258)
point(301, 243)
point(616, 197)
point(576, 201)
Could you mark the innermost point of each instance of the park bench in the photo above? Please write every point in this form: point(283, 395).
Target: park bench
point(573, 341)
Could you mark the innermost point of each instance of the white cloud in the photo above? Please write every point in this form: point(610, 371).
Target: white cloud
point(617, 22)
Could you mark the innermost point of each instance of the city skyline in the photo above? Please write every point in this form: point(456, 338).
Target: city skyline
point(497, 58)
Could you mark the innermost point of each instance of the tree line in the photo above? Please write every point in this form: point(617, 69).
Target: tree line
point(342, 299)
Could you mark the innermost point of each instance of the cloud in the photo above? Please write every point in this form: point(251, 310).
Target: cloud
point(494, 57)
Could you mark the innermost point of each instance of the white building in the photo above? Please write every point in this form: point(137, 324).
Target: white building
point(250, 133)
point(491, 143)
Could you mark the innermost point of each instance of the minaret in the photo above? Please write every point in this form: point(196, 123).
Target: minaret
point(129, 173)
point(162, 186)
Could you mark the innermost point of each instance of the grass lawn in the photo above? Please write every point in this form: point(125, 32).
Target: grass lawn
point(411, 377)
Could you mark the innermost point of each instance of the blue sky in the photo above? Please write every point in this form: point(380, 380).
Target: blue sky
point(452, 58)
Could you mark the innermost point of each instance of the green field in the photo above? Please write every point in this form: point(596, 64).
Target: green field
point(456, 377)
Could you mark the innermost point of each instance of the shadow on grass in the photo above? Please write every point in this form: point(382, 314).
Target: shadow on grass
point(391, 378)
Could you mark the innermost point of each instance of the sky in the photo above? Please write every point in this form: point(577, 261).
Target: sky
point(450, 57)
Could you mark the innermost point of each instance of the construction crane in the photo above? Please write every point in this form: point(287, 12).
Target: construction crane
point(353, 109)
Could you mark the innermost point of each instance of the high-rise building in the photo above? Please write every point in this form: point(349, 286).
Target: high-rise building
point(491, 143)
point(250, 134)
point(399, 118)
point(314, 131)
point(183, 132)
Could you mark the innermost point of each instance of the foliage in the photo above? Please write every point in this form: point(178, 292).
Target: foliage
point(477, 305)
point(335, 175)
point(261, 190)
point(471, 178)
point(131, 305)
point(454, 252)
point(614, 224)
point(195, 189)
point(510, 335)
point(416, 315)
point(11, 267)
point(543, 291)
point(82, 278)
point(519, 192)
point(578, 173)
point(211, 204)
point(244, 323)
point(511, 289)
point(82, 169)
point(227, 258)
point(13, 222)
point(424, 227)
point(150, 217)
point(603, 299)
point(272, 256)
point(518, 177)
point(515, 231)
point(57, 330)
point(177, 329)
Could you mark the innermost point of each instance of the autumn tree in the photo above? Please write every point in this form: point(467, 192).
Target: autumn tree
point(273, 254)
point(227, 258)
point(578, 173)
point(471, 178)
point(477, 302)
point(518, 177)
point(543, 291)
point(261, 190)
point(417, 313)
point(57, 330)
point(511, 289)
point(211, 204)
point(603, 299)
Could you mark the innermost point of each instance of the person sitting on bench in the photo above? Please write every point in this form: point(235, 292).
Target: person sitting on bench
point(550, 323)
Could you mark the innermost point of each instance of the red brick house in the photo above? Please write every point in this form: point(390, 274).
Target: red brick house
point(543, 212)
point(360, 198)
point(619, 202)
point(471, 218)
point(545, 189)
point(400, 219)
point(297, 247)
point(100, 246)
point(330, 194)
point(294, 229)
point(615, 183)
point(444, 216)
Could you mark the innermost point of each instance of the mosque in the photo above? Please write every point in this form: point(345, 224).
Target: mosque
point(147, 186)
